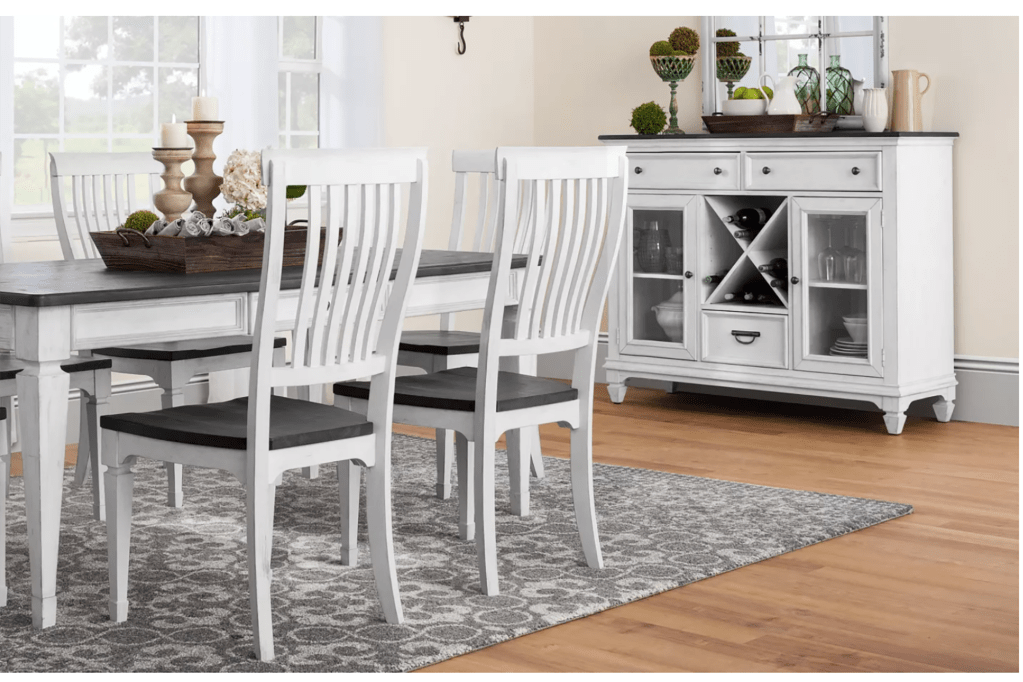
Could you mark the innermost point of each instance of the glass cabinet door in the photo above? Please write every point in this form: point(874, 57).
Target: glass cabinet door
point(661, 314)
point(838, 288)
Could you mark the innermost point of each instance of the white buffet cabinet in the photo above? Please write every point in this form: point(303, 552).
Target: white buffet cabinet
point(864, 308)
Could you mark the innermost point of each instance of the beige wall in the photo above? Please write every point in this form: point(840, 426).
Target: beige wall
point(583, 92)
point(436, 98)
point(972, 61)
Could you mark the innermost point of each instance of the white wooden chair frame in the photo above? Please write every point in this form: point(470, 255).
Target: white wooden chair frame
point(338, 335)
point(465, 164)
point(571, 261)
point(103, 195)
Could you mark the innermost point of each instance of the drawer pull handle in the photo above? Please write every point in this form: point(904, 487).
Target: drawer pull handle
point(752, 336)
point(638, 170)
point(717, 171)
point(855, 171)
point(766, 171)
point(794, 280)
point(689, 274)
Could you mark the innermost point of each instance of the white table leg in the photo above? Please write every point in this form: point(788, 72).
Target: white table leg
point(42, 341)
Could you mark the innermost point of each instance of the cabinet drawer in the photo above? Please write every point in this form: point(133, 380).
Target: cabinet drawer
point(684, 171)
point(829, 171)
point(745, 339)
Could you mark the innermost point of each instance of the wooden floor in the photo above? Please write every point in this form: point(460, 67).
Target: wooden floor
point(935, 591)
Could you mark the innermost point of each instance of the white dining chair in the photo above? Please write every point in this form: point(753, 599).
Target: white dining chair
point(346, 326)
point(436, 350)
point(90, 377)
point(579, 214)
point(105, 190)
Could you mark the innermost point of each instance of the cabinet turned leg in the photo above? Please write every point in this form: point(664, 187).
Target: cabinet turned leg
point(616, 392)
point(895, 414)
point(943, 408)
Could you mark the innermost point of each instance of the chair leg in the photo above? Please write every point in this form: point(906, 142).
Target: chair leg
point(119, 483)
point(173, 397)
point(445, 454)
point(5, 472)
point(348, 477)
point(466, 472)
point(7, 445)
point(581, 463)
point(381, 541)
point(83, 461)
point(259, 500)
point(518, 474)
point(95, 407)
point(486, 539)
point(535, 455)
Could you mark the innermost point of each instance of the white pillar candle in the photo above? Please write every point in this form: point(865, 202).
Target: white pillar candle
point(204, 109)
point(174, 134)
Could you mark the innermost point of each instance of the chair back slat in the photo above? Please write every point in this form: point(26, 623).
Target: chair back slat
point(103, 194)
point(570, 252)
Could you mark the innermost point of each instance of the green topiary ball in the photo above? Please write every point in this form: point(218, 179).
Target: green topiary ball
point(140, 220)
point(662, 48)
point(649, 118)
point(751, 93)
point(685, 41)
point(769, 92)
point(294, 191)
point(739, 92)
point(729, 49)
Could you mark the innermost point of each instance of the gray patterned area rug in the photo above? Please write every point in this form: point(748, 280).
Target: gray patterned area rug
point(188, 590)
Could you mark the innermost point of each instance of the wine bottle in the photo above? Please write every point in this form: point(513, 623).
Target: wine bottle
point(778, 283)
point(779, 267)
point(749, 296)
point(749, 218)
point(713, 279)
point(764, 298)
point(744, 234)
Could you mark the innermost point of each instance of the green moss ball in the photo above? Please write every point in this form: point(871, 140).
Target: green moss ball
point(685, 41)
point(751, 93)
point(140, 220)
point(769, 92)
point(662, 48)
point(729, 49)
point(649, 118)
point(739, 92)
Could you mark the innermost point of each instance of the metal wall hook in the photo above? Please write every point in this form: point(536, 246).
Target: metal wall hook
point(461, 33)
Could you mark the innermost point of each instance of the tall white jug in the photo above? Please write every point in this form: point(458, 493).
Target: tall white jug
point(784, 100)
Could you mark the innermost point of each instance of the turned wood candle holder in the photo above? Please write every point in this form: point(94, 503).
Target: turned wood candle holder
point(203, 183)
point(172, 201)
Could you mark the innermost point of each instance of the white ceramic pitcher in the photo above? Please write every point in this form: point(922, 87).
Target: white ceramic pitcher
point(784, 100)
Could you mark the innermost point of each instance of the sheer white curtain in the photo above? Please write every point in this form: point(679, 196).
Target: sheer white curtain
point(241, 71)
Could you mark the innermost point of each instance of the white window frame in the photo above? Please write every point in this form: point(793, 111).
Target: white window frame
point(46, 211)
point(290, 65)
point(824, 31)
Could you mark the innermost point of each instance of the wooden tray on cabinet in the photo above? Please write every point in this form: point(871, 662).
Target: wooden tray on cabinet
point(131, 250)
point(823, 122)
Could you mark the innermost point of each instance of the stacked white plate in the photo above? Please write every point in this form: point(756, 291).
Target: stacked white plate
point(846, 347)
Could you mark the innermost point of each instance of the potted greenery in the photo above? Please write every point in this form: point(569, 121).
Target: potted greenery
point(672, 60)
point(648, 119)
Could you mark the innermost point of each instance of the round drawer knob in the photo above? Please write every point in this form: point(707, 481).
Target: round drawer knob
point(717, 171)
point(767, 171)
point(638, 170)
point(855, 170)
point(689, 275)
point(794, 280)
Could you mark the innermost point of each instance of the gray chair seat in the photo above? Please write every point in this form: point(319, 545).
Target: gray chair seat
point(10, 366)
point(170, 351)
point(455, 389)
point(223, 425)
point(440, 342)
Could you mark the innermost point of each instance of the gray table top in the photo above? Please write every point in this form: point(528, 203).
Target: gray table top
point(56, 283)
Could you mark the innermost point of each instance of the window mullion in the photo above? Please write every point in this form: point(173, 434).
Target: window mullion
point(61, 75)
point(110, 83)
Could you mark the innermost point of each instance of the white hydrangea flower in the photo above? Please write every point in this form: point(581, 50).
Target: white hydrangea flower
point(243, 180)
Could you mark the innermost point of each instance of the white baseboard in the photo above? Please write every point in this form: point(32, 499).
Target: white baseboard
point(988, 389)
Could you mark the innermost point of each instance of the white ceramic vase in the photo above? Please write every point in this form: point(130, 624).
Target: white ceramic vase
point(875, 110)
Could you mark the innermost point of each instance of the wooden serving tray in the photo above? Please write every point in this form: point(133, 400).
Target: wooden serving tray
point(779, 123)
point(131, 250)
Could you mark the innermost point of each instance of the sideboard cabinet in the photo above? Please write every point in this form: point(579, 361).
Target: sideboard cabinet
point(816, 264)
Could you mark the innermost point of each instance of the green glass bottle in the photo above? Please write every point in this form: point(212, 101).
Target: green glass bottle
point(808, 86)
point(840, 94)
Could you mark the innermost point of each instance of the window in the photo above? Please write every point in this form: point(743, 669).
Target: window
point(94, 84)
point(775, 43)
point(300, 59)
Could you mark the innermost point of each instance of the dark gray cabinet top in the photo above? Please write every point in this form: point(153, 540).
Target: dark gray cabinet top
point(833, 134)
point(55, 283)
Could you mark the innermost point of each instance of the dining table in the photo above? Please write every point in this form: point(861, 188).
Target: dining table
point(51, 309)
